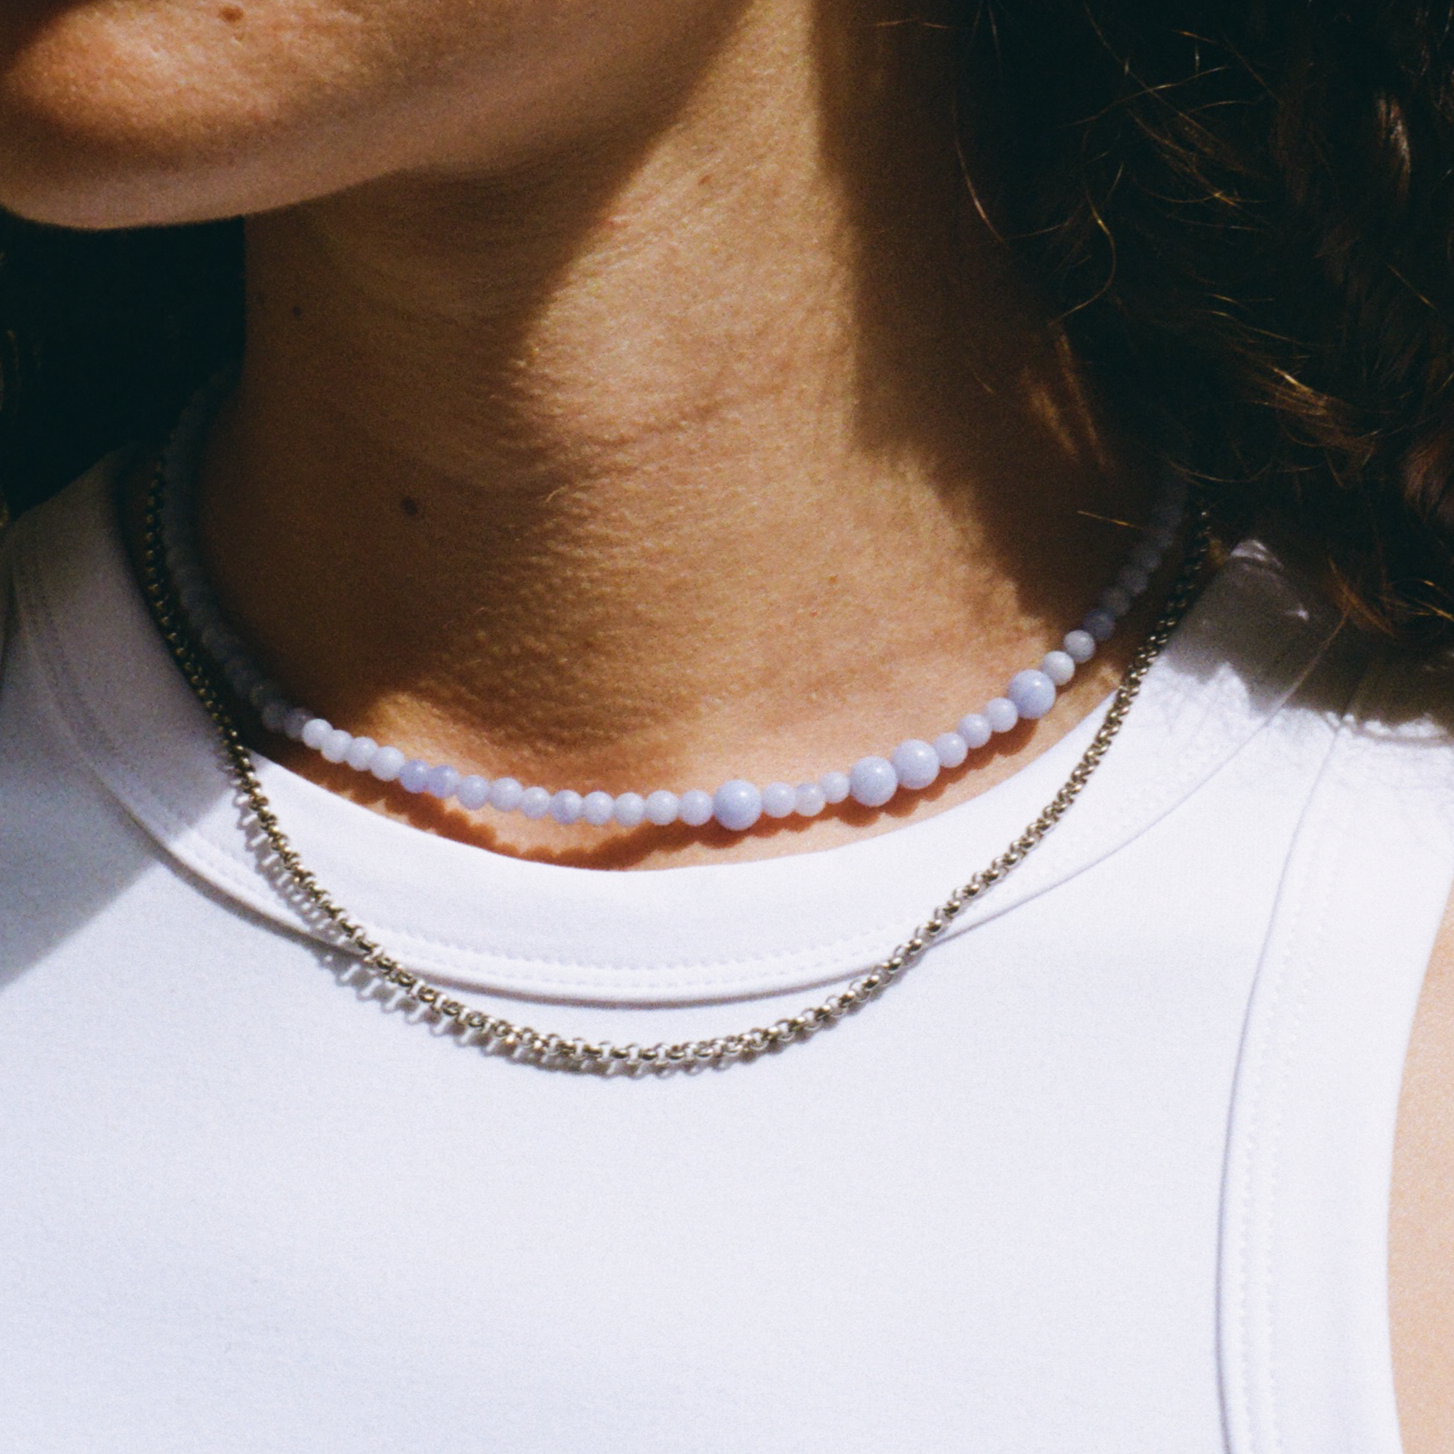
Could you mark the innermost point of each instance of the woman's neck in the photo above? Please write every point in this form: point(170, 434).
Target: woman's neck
point(725, 443)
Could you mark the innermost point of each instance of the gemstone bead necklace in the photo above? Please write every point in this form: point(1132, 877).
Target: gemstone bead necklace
point(280, 862)
point(737, 804)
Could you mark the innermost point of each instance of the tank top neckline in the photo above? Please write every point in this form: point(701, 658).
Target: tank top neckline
point(480, 920)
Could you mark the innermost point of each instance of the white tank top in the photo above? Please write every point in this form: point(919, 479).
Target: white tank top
point(1108, 1171)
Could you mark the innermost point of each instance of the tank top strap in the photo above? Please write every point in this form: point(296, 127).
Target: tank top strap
point(1303, 1302)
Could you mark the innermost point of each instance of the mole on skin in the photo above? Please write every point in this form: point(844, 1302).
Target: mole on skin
point(232, 14)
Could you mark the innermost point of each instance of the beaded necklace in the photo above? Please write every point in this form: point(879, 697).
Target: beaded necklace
point(281, 863)
point(737, 804)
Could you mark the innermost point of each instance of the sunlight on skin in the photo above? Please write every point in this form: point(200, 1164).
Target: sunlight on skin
point(732, 442)
point(1421, 1253)
point(121, 113)
point(649, 404)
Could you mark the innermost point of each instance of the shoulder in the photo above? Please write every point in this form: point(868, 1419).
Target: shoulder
point(1414, 704)
point(1421, 1226)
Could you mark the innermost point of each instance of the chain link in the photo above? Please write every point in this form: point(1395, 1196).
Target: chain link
point(282, 864)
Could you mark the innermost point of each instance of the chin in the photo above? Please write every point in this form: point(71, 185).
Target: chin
point(122, 116)
point(152, 112)
point(61, 182)
point(102, 145)
point(91, 142)
point(123, 160)
point(79, 188)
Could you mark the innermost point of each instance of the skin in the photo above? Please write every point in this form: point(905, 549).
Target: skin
point(1421, 1228)
point(633, 397)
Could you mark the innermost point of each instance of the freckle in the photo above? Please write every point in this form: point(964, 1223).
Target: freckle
point(705, 179)
point(232, 14)
point(411, 507)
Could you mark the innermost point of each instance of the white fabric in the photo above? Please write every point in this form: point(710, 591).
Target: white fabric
point(1305, 1257)
point(241, 1208)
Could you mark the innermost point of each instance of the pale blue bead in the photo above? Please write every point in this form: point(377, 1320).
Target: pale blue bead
point(335, 746)
point(779, 800)
point(192, 593)
point(535, 802)
point(1115, 600)
point(216, 637)
point(695, 807)
point(1079, 646)
point(872, 781)
point(196, 602)
point(442, 781)
point(737, 804)
point(915, 763)
point(264, 692)
point(271, 702)
point(661, 807)
point(194, 597)
point(951, 749)
point(835, 787)
point(1147, 557)
point(565, 806)
point(1059, 666)
point(1101, 624)
point(274, 715)
point(473, 792)
point(201, 611)
point(315, 733)
point(1001, 713)
point(294, 723)
point(598, 808)
point(360, 753)
point(976, 730)
point(387, 764)
point(809, 800)
point(212, 634)
point(413, 775)
point(505, 794)
point(243, 676)
point(630, 809)
point(1032, 692)
point(1133, 580)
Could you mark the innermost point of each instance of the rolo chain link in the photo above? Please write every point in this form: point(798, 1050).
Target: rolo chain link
point(556, 1052)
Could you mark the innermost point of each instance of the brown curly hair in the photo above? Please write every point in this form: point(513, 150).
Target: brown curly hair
point(1244, 210)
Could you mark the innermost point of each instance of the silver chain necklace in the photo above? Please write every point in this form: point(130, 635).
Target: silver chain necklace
point(280, 863)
